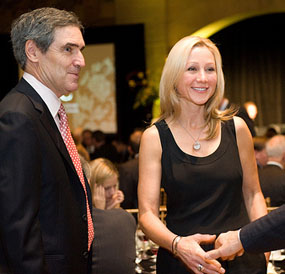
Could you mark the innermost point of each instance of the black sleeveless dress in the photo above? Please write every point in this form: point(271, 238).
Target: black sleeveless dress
point(204, 195)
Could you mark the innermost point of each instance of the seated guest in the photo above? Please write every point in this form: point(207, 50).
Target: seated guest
point(260, 151)
point(103, 149)
point(87, 140)
point(113, 250)
point(77, 137)
point(129, 172)
point(104, 184)
point(271, 131)
point(272, 176)
point(122, 150)
point(115, 231)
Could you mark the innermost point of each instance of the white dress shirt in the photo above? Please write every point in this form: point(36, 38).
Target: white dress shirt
point(48, 96)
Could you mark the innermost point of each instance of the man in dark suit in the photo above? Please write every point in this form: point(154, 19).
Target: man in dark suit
point(262, 235)
point(43, 205)
point(272, 175)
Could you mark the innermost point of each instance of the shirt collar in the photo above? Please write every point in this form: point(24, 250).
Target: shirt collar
point(48, 96)
point(273, 163)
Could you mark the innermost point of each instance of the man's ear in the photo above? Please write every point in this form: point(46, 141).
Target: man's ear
point(32, 51)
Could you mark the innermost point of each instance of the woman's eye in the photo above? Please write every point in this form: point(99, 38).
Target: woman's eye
point(210, 69)
point(192, 69)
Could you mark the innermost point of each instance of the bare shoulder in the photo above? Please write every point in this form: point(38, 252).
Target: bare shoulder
point(241, 126)
point(242, 132)
point(239, 123)
point(150, 141)
point(150, 134)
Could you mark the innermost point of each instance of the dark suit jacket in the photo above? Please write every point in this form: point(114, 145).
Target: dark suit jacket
point(114, 249)
point(272, 182)
point(128, 179)
point(266, 233)
point(43, 227)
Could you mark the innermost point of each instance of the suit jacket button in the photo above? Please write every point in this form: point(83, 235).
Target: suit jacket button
point(85, 254)
point(84, 217)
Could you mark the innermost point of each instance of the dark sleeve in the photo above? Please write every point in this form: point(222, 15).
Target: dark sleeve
point(250, 123)
point(266, 233)
point(20, 190)
point(128, 183)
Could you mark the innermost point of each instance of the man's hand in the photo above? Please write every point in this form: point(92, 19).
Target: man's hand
point(227, 247)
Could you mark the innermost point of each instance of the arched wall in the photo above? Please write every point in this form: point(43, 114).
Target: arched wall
point(168, 21)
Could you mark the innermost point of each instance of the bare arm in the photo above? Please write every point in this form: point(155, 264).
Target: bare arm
point(228, 245)
point(253, 197)
point(188, 248)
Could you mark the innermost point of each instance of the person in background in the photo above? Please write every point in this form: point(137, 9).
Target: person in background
point(77, 136)
point(122, 150)
point(204, 159)
point(270, 132)
point(129, 173)
point(272, 175)
point(242, 112)
point(43, 193)
point(87, 141)
point(104, 183)
point(103, 149)
point(114, 230)
point(260, 151)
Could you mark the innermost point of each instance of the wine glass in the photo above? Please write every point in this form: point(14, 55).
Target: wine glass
point(275, 258)
point(154, 249)
point(142, 244)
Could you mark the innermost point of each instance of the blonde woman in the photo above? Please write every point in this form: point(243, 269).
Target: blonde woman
point(104, 182)
point(205, 161)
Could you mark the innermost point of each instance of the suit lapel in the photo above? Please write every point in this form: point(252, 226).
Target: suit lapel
point(46, 119)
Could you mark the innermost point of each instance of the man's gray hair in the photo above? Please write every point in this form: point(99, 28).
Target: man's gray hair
point(275, 146)
point(39, 25)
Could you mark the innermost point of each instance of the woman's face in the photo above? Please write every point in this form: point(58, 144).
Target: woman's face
point(199, 80)
point(111, 186)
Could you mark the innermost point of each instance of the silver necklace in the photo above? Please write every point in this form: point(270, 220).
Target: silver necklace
point(196, 145)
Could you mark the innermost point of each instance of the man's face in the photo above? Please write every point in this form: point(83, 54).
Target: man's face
point(59, 67)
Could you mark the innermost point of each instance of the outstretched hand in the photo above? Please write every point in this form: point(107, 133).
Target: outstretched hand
point(227, 247)
point(193, 256)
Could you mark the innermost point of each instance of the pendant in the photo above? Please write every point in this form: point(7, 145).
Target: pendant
point(196, 145)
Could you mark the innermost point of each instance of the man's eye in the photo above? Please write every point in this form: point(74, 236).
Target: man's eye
point(68, 49)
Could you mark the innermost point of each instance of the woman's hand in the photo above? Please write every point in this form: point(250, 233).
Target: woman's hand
point(117, 198)
point(192, 255)
point(99, 197)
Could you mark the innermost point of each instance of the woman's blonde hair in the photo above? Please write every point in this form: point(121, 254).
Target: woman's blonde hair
point(101, 170)
point(174, 67)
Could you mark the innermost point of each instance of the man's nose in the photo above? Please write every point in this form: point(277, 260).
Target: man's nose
point(80, 61)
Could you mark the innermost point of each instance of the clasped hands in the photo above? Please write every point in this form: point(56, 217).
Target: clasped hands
point(227, 247)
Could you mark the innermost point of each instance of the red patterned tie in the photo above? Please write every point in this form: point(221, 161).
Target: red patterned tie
point(70, 145)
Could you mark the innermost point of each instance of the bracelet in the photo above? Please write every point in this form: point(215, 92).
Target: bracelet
point(175, 242)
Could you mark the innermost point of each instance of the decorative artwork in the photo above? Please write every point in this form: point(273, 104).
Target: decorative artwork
point(93, 105)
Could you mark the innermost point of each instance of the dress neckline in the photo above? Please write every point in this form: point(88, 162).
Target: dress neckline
point(200, 159)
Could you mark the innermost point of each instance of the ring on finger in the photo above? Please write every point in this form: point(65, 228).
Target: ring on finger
point(200, 267)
